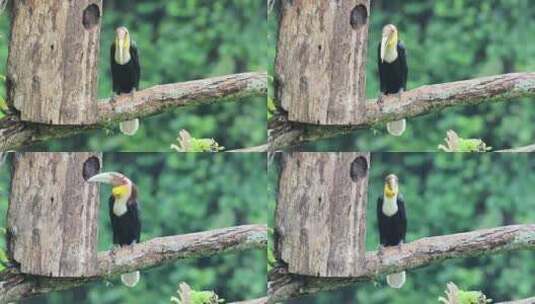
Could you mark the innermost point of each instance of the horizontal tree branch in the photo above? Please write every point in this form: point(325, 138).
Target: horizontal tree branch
point(152, 253)
point(423, 100)
point(263, 300)
point(524, 149)
point(261, 148)
point(523, 301)
point(162, 98)
point(419, 253)
point(157, 99)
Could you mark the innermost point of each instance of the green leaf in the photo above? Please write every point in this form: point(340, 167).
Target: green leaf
point(188, 295)
point(455, 143)
point(186, 143)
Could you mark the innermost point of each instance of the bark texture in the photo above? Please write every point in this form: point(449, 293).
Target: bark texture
point(420, 101)
point(415, 254)
point(53, 59)
point(524, 149)
point(321, 213)
point(321, 60)
point(15, 133)
point(152, 253)
point(523, 301)
point(53, 214)
point(255, 301)
point(162, 98)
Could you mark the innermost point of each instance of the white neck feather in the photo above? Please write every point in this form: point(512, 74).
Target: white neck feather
point(391, 54)
point(122, 56)
point(120, 205)
point(390, 205)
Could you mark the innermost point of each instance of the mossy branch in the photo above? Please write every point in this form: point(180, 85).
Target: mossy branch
point(15, 285)
point(423, 100)
point(263, 300)
point(524, 149)
point(419, 253)
point(523, 301)
point(15, 133)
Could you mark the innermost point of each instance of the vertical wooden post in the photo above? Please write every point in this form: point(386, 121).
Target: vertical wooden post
point(321, 213)
point(53, 213)
point(53, 59)
point(321, 60)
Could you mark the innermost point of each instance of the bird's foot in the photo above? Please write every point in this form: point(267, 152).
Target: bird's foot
point(399, 246)
point(132, 93)
point(381, 101)
point(381, 251)
point(380, 255)
point(398, 95)
point(114, 97)
point(114, 249)
point(131, 246)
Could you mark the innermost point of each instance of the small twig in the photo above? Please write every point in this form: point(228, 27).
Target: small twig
point(523, 301)
point(529, 148)
point(261, 148)
point(255, 301)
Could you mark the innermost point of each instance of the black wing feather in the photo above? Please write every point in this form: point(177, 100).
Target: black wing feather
point(392, 230)
point(403, 217)
point(402, 54)
point(393, 76)
point(382, 80)
point(135, 61)
point(133, 208)
point(380, 221)
point(113, 70)
point(113, 219)
point(127, 227)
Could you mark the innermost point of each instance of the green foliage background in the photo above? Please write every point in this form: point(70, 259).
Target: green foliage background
point(179, 40)
point(180, 193)
point(449, 40)
point(449, 193)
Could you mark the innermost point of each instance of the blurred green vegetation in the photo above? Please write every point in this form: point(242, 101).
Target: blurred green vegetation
point(180, 193)
point(179, 41)
point(449, 40)
point(448, 193)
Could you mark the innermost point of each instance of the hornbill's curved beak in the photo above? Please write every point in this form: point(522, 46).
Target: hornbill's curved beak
point(122, 45)
point(389, 39)
point(384, 42)
point(111, 178)
point(391, 188)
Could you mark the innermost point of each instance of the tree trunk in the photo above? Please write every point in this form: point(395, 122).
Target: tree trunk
point(53, 59)
point(321, 213)
point(321, 60)
point(53, 213)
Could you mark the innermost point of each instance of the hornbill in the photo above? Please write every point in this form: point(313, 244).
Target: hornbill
point(125, 72)
point(392, 222)
point(124, 214)
point(393, 70)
